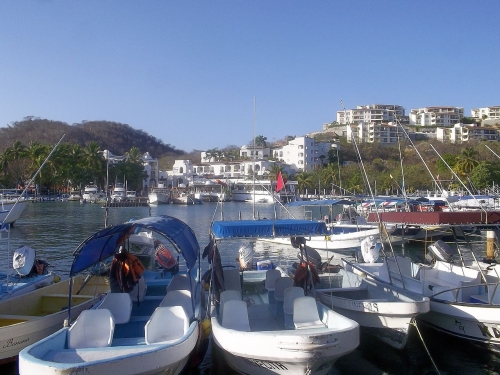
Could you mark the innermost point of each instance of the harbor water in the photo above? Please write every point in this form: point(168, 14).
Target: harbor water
point(55, 229)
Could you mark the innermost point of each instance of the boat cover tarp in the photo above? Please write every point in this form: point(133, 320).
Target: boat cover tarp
point(267, 228)
point(321, 202)
point(103, 244)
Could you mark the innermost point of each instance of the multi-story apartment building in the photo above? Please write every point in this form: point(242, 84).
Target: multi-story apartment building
point(303, 153)
point(372, 132)
point(436, 116)
point(373, 113)
point(489, 112)
point(461, 133)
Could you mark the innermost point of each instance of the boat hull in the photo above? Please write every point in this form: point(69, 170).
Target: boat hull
point(33, 316)
point(475, 322)
point(380, 310)
point(10, 213)
point(145, 359)
point(344, 241)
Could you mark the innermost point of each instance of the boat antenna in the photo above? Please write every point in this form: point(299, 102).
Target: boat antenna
point(33, 178)
point(365, 178)
point(253, 164)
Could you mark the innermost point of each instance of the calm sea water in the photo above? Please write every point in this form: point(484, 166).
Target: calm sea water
point(55, 229)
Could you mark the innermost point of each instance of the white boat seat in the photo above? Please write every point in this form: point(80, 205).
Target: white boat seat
point(236, 316)
point(182, 281)
point(120, 305)
point(305, 313)
point(271, 276)
point(280, 285)
point(168, 323)
point(232, 280)
point(228, 295)
point(291, 293)
point(139, 291)
point(93, 329)
point(179, 298)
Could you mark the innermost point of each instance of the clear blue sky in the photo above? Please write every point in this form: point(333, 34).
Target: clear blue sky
point(187, 72)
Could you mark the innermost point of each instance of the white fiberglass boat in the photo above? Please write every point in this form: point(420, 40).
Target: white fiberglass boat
point(464, 302)
point(153, 329)
point(251, 326)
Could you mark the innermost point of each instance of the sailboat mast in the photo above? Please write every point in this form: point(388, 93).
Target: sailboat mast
point(253, 164)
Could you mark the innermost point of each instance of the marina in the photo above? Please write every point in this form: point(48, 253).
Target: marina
point(51, 225)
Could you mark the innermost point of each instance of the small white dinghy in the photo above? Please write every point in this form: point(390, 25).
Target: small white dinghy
point(153, 329)
point(263, 324)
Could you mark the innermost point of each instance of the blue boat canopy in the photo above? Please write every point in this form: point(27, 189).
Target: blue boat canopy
point(103, 244)
point(267, 228)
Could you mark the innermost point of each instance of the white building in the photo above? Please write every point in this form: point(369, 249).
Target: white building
point(436, 116)
point(151, 168)
point(372, 132)
point(303, 153)
point(489, 112)
point(373, 113)
point(259, 152)
point(461, 133)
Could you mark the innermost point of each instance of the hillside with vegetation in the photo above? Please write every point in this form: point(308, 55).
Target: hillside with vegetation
point(24, 145)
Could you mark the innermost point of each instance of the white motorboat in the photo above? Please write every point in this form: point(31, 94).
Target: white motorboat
point(152, 329)
point(11, 210)
point(119, 193)
point(380, 310)
point(131, 195)
point(254, 330)
point(159, 195)
point(91, 194)
point(464, 302)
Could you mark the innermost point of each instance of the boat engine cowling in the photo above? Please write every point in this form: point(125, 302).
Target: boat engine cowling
point(370, 249)
point(245, 255)
point(442, 251)
point(23, 260)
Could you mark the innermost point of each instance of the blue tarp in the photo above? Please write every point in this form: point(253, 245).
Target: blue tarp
point(104, 244)
point(267, 228)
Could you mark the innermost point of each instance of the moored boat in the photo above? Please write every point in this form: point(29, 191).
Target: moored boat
point(32, 316)
point(309, 339)
point(151, 329)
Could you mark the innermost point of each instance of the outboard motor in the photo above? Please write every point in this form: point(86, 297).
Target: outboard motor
point(370, 249)
point(442, 251)
point(23, 260)
point(245, 255)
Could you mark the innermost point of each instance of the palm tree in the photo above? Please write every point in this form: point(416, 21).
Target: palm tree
point(305, 180)
point(466, 161)
point(260, 140)
point(134, 155)
point(93, 160)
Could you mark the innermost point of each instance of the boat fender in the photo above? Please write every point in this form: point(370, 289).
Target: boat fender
point(207, 328)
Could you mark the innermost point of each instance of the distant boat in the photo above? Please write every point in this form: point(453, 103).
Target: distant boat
point(131, 195)
point(159, 195)
point(11, 210)
point(119, 193)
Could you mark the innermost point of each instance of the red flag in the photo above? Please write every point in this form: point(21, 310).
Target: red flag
point(280, 183)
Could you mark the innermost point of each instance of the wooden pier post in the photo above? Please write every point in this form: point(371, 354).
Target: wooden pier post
point(490, 244)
